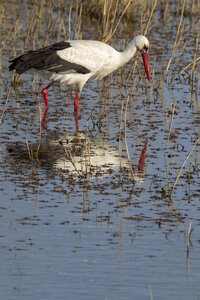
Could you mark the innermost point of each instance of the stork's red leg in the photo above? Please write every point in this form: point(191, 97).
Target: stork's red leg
point(44, 120)
point(76, 122)
point(76, 103)
point(44, 93)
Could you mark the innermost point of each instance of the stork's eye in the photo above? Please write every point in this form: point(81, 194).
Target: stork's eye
point(145, 49)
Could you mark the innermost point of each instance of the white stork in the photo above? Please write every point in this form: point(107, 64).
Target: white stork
point(74, 62)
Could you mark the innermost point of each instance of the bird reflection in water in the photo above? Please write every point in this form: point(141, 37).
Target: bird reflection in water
point(44, 119)
point(80, 156)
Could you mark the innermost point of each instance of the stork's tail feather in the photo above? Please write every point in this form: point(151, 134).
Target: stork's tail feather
point(24, 62)
point(16, 65)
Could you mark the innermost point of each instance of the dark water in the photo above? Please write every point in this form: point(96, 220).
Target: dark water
point(77, 221)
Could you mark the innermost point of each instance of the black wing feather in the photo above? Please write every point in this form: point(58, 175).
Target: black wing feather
point(46, 59)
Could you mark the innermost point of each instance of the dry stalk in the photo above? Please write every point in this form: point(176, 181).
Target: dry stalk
point(184, 69)
point(180, 171)
point(195, 54)
point(12, 34)
point(107, 38)
point(40, 132)
point(32, 19)
point(165, 12)
point(190, 230)
point(181, 39)
point(132, 71)
point(188, 244)
point(78, 21)
point(150, 292)
point(177, 61)
point(37, 17)
point(30, 152)
point(120, 129)
point(177, 41)
point(197, 82)
point(2, 13)
point(62, 29)
point(69, 22)
point(2, 43)
point(50, 24)
point(129, 161)
point(34, 81)
point(106, 16)
point(86, 148)
point(5, 106)
point(89, 154)
point(168, 138)
point(189, 233)
point(69, 155)
point(170, 127)
point(166, 187)
point(150, 17)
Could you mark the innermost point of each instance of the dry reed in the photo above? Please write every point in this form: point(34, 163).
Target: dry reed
point(168, 138)
point(120, 129)
point(30, 151)
point(5, 105)
point(181, 168)
point(189, 232)
point(40, 133)
point(108, 27)
point(176, 42)
point(125, 140)
point(180, 45)
point(150, 17)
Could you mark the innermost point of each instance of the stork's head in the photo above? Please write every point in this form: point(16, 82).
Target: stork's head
point(142, 44)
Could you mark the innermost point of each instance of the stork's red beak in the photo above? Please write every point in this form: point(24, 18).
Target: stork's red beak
point(145, 58)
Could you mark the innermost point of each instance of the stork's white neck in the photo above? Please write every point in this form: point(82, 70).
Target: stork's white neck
point(128, 53)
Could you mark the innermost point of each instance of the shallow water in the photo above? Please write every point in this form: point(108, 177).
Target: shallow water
point(101, 229)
